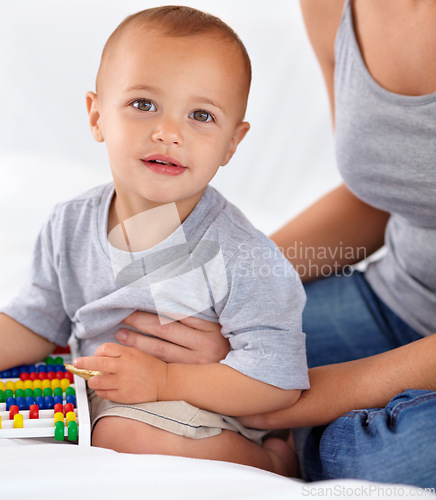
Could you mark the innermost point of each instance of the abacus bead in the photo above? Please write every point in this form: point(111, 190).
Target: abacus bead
point(2, 385)
point(58, 391)
point(4, 374)
point(51, 375)
point(33, 412)
point(9, 403)
point(13, 410)
point(37, 384)
point(70, 390)
point(19, 384)
point(15, 372)
point(49, 360)
point(10, 385)
point(58, 416)
point(68, 407)
point(59, 361)
point(26, 393)
point(42, 368)
point(0, 422)
point(34, 376)
point(65, 383)
point(59, 375)
point(45, 383)
point(22, 369)
point(9, 393)
point(21, 403)
point(59, 407)
point(28, 384)
point(30, 400)
point(60, 368)
point(18, 421)
point(2, 396)
point(20, 393)
point(31, 368)
point(71, 399)
point(42, 375)
point(59, 430)
point(69, 376)
point(58, 400)
point(55, 383)
point(70, 416)
point(50, 368)
point(48, 391)
point(49, 403)
point(37, 392)
point(72, 431)
point(40, 402)
point(24, 376)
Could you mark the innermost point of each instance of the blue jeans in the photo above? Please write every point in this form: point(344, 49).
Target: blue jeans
point(344, 320)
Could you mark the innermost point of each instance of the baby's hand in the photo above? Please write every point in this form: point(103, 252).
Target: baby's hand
point(129, 375)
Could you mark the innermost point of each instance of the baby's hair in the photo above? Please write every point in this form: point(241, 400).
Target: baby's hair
point(181, 21)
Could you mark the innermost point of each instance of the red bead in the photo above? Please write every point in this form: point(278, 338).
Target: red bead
point(24, 376)
point(33, 411)
point(33, 376)
point(69, 376)
point(60, 375)
point(51, 375)
point(13, 410)
point(69, 407)
point(59, 408)
point(42, 375)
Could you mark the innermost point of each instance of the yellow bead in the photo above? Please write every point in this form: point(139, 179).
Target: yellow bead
point(10, 385)
point(45, 384)
point(37, 384)
point(18, 421)
point(0, 420)
point(28, 384)
point(55, 383)
point(2, 386)
point(64, 384)
point(58, 416)
point(71, 416)
point(19, 384)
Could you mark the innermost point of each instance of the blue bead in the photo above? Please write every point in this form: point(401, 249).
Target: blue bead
point(49, 402)
point(31, 368)
point(42, 368)
point(5, 374)
point(23, 369)
point(49, 368)
point(21, 403)
point(58, 399)
point(15, 372)
point(29, 402)
point(40, 401)
point(71, 399)
point(60, 368)
point(10, 402)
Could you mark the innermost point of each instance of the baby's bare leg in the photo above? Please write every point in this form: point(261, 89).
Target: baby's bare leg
point(130, 436)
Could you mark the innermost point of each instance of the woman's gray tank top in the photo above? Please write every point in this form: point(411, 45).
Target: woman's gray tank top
point(386, 153)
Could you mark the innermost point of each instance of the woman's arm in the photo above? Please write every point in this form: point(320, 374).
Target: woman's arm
point(364, 383)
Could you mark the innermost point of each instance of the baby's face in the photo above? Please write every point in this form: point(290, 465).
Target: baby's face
point(170, 111)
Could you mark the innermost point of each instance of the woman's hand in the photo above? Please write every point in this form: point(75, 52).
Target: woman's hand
point(190, 340)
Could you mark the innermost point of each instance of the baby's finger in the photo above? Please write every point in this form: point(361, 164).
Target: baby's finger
point(96, 363)
point(109, 349)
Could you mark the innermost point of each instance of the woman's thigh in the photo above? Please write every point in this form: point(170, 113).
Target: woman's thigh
point(344, 320)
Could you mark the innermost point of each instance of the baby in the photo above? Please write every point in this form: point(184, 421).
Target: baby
point(170, 101)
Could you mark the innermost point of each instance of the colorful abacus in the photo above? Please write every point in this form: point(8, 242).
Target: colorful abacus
point(44, 400)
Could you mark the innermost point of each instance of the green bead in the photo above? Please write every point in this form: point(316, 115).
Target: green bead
point(59, 432)
point(58, 391)
point(9, 393)
point(59, 361)
point(19, 393)
point(28, 392)
point(48, 392)
point(72, 431)
point(2, 396)
point(70, 391)
point(37, 392)
point(49, 361)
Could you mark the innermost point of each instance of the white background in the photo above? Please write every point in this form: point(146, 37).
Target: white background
point(49, 55)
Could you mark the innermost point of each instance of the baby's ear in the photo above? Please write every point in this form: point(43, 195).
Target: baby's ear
point(240, 132)
point(94, 116)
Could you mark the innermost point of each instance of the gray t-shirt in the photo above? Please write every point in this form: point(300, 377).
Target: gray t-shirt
point(214, 266)
point(386, 152)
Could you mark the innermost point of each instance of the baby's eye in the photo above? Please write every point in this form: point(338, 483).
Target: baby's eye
point(144, 105)
point(201, 116)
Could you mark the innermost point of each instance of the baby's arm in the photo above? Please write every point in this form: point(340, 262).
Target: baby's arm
point(20, 345)
point(132, 376)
